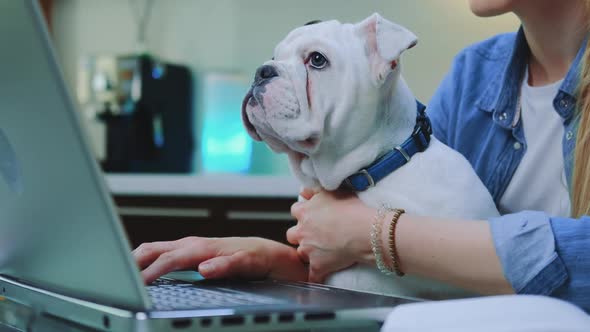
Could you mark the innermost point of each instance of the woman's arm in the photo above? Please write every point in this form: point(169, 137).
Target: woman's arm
point(333, 231)
point(525, 253)
point(545, 255)
point(458, 252)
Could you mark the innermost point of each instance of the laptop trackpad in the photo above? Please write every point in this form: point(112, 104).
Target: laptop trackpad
point(187, 276)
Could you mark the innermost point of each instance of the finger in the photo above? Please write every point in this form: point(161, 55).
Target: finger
point(216, 267)
point(147, 253)
point(303, 254)
point(241, 264)
point(308, 193)
point(297, 210)
point(316, 275)
point(293, 235)
point(183, 258)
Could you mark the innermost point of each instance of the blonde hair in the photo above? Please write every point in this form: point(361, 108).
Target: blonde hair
point(581, 175)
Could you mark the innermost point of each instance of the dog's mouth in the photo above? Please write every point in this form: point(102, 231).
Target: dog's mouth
point(249, 99)
point(305, 144)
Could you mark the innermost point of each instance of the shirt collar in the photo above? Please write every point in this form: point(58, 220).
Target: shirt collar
point(501, 95)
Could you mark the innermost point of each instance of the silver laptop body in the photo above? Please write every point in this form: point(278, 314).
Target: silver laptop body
point(63, 252)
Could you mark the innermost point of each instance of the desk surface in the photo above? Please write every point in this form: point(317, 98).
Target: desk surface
point(204, 185)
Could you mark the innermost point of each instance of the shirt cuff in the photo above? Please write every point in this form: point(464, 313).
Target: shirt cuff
point(525, 245)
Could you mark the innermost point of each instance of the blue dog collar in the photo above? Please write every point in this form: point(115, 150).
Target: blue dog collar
point(396, 158)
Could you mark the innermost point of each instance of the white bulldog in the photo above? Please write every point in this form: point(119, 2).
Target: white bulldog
point(334, 100)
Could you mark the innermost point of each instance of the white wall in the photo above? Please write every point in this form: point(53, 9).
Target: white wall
point(241, 34)
point(443, 27)
point(238, 35)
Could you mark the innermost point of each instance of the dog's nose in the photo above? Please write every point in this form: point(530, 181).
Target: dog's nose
point(266, 72)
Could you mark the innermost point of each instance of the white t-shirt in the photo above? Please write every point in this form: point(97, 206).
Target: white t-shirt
point(539, 182)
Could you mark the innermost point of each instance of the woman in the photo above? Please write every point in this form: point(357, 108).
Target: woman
point(488, 109)
point(506, 105)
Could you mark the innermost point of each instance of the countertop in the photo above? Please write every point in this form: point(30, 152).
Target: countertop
point(203, 185)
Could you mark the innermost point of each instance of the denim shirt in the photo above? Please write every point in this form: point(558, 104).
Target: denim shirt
point(475, 111)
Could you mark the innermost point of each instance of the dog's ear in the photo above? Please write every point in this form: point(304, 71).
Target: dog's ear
point(385, 41)
point(313, 22)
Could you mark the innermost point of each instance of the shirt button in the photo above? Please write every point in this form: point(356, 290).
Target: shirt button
point(569, 135)
point(502, 116)
point(517, 146)
point(564, 103)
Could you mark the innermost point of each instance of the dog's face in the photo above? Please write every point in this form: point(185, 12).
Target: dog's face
point(322, 89)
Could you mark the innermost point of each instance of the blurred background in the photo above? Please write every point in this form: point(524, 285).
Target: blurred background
point(160, 82)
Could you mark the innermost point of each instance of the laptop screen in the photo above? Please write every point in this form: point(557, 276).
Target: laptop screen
point(58, 228)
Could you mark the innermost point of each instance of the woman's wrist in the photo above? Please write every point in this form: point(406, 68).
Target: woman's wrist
point(389, 245)
point(366, 254)
point(285, 263)
point(383, 252)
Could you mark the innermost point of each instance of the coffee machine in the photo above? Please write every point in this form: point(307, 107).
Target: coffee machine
point(139, 113)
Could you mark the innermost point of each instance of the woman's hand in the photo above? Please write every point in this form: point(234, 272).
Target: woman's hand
point(241, 257)
point(332, 231)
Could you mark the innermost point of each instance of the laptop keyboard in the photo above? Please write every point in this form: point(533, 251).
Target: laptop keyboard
point(174, 295)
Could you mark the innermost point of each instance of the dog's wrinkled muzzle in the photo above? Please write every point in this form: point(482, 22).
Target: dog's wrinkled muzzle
point(249, 126)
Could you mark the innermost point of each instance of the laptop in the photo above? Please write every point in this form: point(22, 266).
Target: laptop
point(63, 250)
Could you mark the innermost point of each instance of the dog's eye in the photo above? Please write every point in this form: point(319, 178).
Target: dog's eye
point(318, 60)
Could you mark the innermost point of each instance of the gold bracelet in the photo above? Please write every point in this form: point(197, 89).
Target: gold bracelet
point(392, 248)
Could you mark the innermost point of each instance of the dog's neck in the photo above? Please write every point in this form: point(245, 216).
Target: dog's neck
point(396, 117)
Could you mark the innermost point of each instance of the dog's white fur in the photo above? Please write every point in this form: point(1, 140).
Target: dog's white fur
point(335, 121)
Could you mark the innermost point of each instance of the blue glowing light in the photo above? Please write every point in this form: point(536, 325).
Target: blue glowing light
point(225, 144)
point(157, 71)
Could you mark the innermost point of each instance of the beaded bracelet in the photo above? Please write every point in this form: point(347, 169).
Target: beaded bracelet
point(376, 240)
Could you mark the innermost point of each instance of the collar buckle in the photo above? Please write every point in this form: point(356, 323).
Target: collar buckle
point(364, 173)
point(422, 129)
